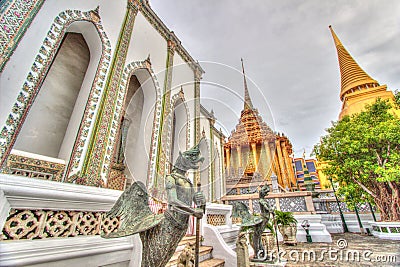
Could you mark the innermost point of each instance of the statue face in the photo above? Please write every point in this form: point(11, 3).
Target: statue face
point(264, 190)
point(189, 159)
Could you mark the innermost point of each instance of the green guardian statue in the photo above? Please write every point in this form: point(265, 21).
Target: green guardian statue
point(160, 233)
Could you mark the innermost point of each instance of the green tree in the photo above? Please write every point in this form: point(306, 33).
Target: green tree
point(397, 99)
point(363, 152)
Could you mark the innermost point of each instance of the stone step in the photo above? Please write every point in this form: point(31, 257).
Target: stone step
point(188, 238)
point(204, 254)
point(185, 240)
point(212, 263)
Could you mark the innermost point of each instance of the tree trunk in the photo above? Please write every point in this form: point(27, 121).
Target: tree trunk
point(395, 202)
point(387, 200)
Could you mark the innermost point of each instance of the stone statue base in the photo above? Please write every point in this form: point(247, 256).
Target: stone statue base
point(271, 263)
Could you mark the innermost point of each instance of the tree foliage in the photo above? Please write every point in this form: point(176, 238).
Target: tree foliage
point(363, 152)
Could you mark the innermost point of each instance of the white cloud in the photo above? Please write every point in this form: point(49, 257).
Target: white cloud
point(289, 52)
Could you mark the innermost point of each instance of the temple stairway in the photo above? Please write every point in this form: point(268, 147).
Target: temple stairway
point(205, 254)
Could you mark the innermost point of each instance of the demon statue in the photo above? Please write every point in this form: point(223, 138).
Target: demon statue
point(256, 223)
point(160, 233)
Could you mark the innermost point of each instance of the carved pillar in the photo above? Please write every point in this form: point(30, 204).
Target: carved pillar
point(254, 150)
point(197, 77)
point(281, 164)
point(276, 168)
point(269, 158)
point(163, 159)
point(228, 160)
point(239, 153)
point(289, 168)
point(96, 165)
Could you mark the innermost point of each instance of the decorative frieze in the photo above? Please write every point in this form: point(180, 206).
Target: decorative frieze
point(163, 157)
point(216, 219)
point(34, 168)
point(39, 224)
point(256, 204)
point(96, 166)
point(296, 204)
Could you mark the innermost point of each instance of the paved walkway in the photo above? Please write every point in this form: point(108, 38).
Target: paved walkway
point(345, 250)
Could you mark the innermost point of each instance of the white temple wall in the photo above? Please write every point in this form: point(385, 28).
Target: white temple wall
point(218, 168)
point(179, 131)
point(205, 168)
point(183, 77)
point(145, 41)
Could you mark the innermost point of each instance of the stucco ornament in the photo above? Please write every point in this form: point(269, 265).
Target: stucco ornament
point(160, 233)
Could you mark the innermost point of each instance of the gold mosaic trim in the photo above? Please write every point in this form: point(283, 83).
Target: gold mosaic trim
point(34, 168)
point(216, 219)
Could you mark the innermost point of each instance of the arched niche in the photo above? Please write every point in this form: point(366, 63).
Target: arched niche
point(179, 128)
point(205, 169)
point(218, 181)
point(52, 123)
point(139, 105)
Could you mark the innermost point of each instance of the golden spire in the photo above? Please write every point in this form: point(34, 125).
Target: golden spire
point(353, 77)
point(247, 99)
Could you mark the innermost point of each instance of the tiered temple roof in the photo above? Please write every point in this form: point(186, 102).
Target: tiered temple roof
point(251, 127)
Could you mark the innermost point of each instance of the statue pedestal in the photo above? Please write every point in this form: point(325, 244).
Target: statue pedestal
point(272, 263)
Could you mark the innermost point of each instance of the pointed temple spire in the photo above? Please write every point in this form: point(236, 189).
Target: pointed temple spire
point(353, 77)
point(247, 100)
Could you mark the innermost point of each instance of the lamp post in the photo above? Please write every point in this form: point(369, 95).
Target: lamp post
point(345, 229)
point(306, 226)
point(372, 210)
point(358, 216)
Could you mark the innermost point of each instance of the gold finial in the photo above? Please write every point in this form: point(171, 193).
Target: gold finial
point(353, 77)
point(247, 99)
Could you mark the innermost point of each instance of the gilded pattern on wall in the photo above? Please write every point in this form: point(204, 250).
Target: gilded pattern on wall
point(39, 224)
point(162, 156)
point(296, 204)
point(34, 168)
point(128, 72)
point(16, 16)
point(36, 76)
point(97, 161)
point(216, 219)
point(198, 72)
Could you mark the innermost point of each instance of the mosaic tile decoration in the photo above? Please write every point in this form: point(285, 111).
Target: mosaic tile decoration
point(216, 219)
point(362, 207)
point(34, 168)
point(256, 204)
point(334, 207)
point(36, 76)
point(96, 165)
point(163, 158)
point(293, 204)
point(15, 18)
